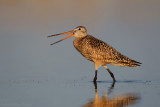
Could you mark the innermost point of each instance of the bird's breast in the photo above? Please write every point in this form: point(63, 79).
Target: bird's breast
point(82, 46)
point(79, 44)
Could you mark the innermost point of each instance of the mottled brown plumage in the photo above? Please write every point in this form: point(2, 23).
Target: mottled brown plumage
point(98, 51)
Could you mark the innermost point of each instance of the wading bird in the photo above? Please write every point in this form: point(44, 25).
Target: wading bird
point(97, 51)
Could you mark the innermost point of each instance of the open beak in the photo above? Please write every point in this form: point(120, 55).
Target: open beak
point(62, 34)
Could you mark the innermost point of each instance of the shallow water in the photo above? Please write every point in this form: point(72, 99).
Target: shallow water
point(35, 74)
point(48, 92)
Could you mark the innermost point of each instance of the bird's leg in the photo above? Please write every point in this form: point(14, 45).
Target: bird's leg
point(95, 85)
point(95, 77)
point(96, 71)
point(111, 74)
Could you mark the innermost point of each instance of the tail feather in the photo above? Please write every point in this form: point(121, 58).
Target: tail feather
point(131, 63)
point(125, 61)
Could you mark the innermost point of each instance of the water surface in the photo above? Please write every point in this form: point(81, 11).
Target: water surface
point(35, 74)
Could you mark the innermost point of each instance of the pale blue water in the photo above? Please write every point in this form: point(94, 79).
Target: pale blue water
point(35, 74)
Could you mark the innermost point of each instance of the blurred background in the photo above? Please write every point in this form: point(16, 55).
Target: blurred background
point(130, 26)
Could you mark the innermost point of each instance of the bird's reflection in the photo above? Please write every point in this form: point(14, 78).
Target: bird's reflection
point(117, 101)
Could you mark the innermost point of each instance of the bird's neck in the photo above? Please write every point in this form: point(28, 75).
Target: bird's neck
point(77, 40)
point(80, 34)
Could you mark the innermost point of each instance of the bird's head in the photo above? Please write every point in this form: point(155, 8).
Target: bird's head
point(78, 32)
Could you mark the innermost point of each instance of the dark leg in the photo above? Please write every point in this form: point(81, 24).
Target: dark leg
point(112, 75)
point(95, 77)
point(95, 85)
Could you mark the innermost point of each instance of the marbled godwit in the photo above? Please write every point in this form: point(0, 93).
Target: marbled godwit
point(97, 51)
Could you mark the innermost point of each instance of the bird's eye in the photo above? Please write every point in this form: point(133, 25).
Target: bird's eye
point(79, 29)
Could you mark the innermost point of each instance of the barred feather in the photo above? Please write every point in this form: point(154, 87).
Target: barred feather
point(98, 51)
